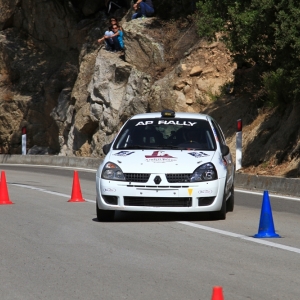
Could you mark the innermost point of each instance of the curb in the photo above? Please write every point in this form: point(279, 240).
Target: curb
point(280, 185)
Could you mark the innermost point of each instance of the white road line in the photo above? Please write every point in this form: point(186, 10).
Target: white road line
point(243, 237)
point(223, 232)
point(45, 191)
point(271, 195)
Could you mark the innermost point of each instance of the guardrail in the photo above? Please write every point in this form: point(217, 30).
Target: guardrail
point(280, 185)
point(53, 160)
point(273, 184)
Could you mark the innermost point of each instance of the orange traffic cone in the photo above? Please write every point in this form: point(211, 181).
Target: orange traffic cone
point(217, 293)
point(76, 190)
point(4, 197)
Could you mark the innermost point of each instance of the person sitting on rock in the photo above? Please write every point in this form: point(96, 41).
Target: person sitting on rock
point(143, 8)
point(114, 21)
point(107, 35)
point(114, 42)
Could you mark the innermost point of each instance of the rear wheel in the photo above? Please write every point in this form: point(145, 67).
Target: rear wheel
point(104, 215)
point(230, 201)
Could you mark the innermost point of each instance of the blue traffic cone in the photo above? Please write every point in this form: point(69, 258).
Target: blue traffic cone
point(266, 225)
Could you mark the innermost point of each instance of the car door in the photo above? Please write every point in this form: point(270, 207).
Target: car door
point(227, 159)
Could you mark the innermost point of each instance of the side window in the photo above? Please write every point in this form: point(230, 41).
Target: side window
point(219, 133)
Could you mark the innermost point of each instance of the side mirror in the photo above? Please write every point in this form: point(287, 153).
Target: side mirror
point(106, 148)
point(224, 150)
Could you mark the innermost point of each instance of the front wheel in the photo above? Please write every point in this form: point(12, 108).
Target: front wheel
point(221, 214)
point(104, 215)
point(230, 201)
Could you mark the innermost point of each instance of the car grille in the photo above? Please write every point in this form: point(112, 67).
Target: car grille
point(136, 177)
point(175, 178)
point(158, 202)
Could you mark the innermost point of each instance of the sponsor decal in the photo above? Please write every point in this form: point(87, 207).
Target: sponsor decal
point(141, 123)
point(181, 123)
point(167, 122)
point(190, 191)
point(109, 190)
point(124, 153)
point(205, 192)
point(198, 154)
point(160, 157)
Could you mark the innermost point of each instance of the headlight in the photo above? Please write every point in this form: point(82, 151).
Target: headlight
point(112, 171)
point(205, 172)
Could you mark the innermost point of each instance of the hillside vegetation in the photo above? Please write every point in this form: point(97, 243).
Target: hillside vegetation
point(264, 39)
point(265, 34)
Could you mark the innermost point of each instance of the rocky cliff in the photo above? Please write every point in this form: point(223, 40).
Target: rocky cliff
point(73, 96)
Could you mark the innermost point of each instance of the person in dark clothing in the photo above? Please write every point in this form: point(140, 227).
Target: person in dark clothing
point(113, 37)
point(113, 21)
point(143, 8)
point(113, 42)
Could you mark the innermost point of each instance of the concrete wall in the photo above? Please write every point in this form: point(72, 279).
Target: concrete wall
point(280, 185)
point(65, 161)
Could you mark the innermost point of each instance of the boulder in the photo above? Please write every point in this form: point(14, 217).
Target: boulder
point(196, 71)
point(142, 50)
point(117, 90)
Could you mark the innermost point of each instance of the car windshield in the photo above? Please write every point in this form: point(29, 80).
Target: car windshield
point(166, 134)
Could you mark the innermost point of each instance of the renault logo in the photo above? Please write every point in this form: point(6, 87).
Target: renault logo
point(157, 179)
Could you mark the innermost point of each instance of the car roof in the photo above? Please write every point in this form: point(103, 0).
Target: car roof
point(183, 115)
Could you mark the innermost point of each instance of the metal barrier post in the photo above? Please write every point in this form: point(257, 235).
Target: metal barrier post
point(24, 140)
point(238, 155)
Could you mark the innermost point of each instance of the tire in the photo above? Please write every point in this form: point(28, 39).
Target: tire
point(221, 214)
point(104, 215)
point(230, 201)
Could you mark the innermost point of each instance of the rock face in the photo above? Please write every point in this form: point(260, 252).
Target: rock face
point(73, 96)
point(116, 91)
point(142, 50)
point(70, 93)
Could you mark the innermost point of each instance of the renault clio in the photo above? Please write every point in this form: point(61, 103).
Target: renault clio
point(166, 162)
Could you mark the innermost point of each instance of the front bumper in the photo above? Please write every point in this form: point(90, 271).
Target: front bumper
point(180, 197)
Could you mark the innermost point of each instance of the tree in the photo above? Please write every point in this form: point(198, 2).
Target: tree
point(264, 32)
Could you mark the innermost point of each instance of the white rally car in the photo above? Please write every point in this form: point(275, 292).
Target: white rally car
point(166, 162)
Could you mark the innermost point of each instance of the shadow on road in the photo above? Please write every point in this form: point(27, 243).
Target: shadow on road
point(125, 216)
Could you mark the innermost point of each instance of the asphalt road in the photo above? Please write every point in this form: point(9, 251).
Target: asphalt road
point(54, 249)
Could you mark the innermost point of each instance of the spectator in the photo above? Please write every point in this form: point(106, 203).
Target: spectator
point(114, 21)
point(143, 8)
point(114, 42)
point(119, 36)
point(107, 35)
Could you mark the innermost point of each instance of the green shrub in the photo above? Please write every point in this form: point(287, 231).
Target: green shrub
point(265, 32)
point(274, 85)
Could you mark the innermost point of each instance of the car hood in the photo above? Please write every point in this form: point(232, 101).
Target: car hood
point(159, 161)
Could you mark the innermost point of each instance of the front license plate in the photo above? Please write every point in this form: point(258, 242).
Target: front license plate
point(156, 193)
